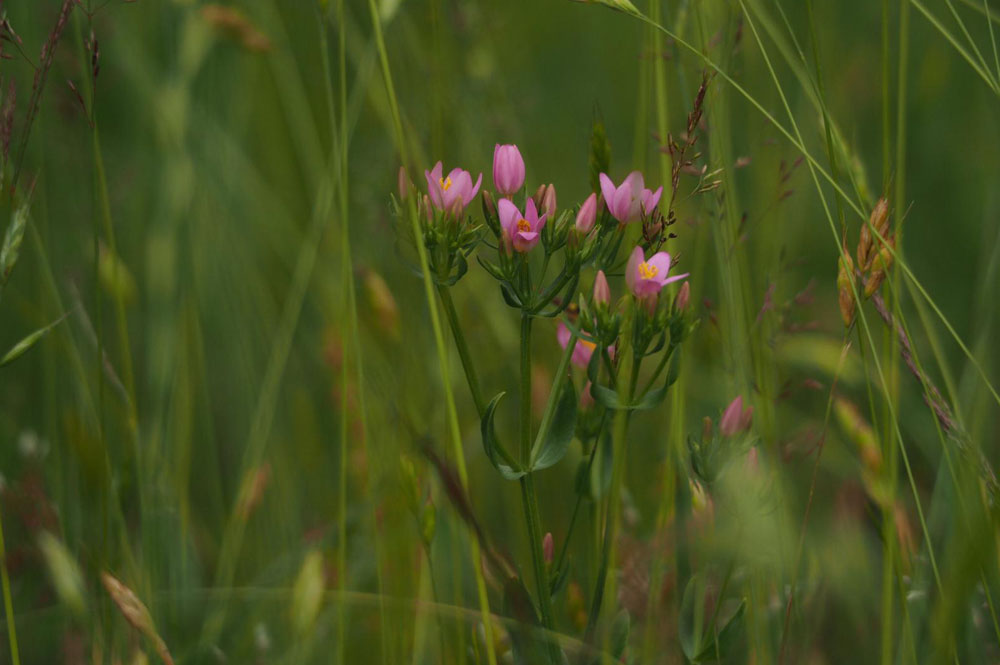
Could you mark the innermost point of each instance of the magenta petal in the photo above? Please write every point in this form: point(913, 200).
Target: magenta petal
point(540, 222)
point(475, 190)
point(650, 200)
point(581, 354)
point(661, 261)
point(647, 287)
point(635, 188)
point(509, 216)
point(607, 190)
point(562, 334)
point(675, 278)
point(525, 240)
point(530, 212)
point(632, 269)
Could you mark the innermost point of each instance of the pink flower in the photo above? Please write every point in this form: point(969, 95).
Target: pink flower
point(522, 231)
point(602, 292)
point(631, 199)
point(735, 418)
point(588, 215)
point(454, 192)
point(647, 278)
point(508, 169)
point(583, 349)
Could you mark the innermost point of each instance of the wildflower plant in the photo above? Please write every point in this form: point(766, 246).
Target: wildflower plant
point(537, 254)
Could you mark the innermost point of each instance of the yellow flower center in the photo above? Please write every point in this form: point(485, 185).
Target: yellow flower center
point(647, 270)
point(587, 344)
point(524, 225)
point(445, 183)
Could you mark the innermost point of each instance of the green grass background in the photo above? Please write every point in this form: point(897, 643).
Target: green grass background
point(212, 171)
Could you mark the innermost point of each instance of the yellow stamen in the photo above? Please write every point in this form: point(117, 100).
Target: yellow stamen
point(445, 183)
point(588, 345)
point(524, 225)
point(647, 270)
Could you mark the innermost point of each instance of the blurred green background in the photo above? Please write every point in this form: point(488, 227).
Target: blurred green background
point(181, 428)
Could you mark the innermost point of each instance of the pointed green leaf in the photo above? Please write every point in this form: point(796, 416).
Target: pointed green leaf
point(560, 433)
point(716, 648)
point(494, 452)
point(22, 347)
point(619, 634)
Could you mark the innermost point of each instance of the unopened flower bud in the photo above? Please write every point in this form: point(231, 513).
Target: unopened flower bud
point(508, 169)
point(683, 297)
point(549, 201)
point(539, 196)
point(735, 418)
point(602, 292)
point(548, 548)
point(587, 215)
point(425, 203)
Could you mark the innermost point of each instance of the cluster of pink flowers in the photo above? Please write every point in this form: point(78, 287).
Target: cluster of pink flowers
point(628, 202)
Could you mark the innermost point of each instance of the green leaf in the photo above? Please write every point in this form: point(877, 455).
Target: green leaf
point(708, 646)
point(690, 643)
point(655, 396)
point(509, 295)
point(716, 648)
point(494, 451)
point(619, 634)
point(560, 433)
point(606, 397)
point(25, 344)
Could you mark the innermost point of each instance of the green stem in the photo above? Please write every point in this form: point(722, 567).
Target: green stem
point(528, 495)
point(8, 604)
point(463, 349)
point(612, 522)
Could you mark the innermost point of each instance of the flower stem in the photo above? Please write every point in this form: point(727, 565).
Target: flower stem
point(528, 495)
point(463, 349)
point(612, 518)
point(8, 604)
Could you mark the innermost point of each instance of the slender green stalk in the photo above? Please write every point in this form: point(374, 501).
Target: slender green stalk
point(347, 304)
point(463, 349)
point(442, 352)
point(8, 603)
point(529, 496)
point(605, 585)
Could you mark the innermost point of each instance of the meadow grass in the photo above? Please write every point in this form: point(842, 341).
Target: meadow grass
point(263, 401)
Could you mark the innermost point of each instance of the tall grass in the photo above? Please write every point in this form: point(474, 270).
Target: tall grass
point(244, 418)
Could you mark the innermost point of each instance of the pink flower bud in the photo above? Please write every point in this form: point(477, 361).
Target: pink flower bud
point(549, 200)
point(602, 293)
point(548, 547)
point(683, 296)
point(735, 418)
point(588, 215)
point(508, 169)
